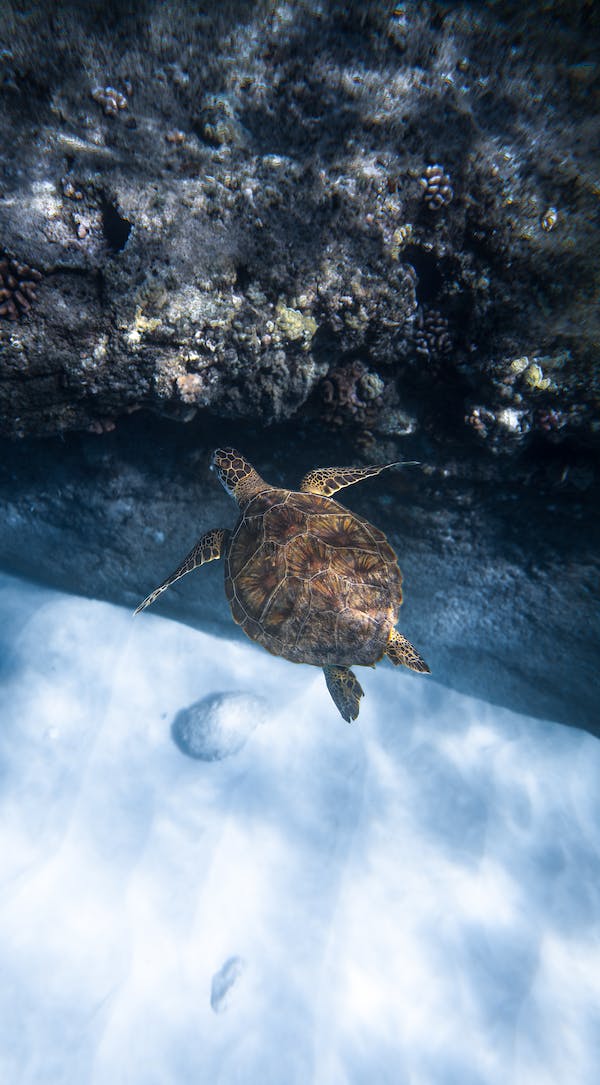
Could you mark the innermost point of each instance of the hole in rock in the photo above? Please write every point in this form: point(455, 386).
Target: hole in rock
point(429, 276)
point(243, 276)
point(116, 229)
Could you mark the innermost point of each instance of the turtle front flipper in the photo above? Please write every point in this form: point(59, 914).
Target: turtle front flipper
point(345, 689)
point(328, 480)
point(400, 650)
point(208, 548)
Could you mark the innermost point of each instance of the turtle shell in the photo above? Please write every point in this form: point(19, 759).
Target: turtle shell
point(311, 581)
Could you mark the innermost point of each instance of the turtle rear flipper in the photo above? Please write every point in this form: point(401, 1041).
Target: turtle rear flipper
point(345, 689)
point(208, 548)
point(400, 650)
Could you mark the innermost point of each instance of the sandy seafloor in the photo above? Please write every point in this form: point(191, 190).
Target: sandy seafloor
point(414, 898)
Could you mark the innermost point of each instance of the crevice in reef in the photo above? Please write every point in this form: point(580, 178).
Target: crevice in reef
point(116, 229)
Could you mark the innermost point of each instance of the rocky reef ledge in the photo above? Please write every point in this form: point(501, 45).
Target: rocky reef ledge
point(380, 217)
point(500, 581)
point(322, 231)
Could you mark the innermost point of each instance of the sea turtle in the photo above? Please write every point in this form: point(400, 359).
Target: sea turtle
point(305, 577)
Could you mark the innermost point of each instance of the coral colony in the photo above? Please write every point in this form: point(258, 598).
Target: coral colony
point(18, 283)
point(437, 188)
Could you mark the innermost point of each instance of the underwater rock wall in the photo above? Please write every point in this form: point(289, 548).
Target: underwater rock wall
point(375, 217)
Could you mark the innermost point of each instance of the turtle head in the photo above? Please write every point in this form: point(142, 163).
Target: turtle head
point(237, 476)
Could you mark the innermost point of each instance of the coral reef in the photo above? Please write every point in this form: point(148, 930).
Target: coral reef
point(110, 99)
point(351, 394)
point(416, 195)
point(217, 121)
point(549, 219)
point(502, 430)
point(431, 334)
point(437, 188)
point(18, 283)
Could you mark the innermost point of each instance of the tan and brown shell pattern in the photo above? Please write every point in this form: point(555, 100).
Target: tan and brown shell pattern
point(311, 581)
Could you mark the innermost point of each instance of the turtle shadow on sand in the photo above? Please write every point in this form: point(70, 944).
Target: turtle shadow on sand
point(218, 725)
